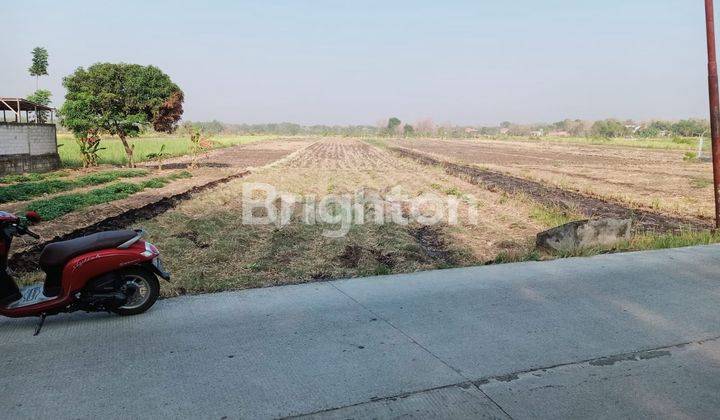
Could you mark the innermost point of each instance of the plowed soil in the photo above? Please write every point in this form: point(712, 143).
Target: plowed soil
point(659, 181)
point(591, 207)
point(209, 248)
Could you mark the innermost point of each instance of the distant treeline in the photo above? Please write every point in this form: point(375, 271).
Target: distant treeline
point(284, 129)
point(609, 128)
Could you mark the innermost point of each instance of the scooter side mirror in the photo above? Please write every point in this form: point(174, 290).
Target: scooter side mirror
point(33, 217)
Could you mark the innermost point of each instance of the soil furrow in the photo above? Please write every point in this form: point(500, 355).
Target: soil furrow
point(552, 196)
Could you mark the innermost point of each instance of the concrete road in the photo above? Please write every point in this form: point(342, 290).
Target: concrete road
point(616, 336)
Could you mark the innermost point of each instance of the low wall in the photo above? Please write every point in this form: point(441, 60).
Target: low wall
point(18, 164)
point(28, 148)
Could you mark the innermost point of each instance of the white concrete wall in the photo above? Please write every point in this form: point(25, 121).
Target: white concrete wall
point(32, 139)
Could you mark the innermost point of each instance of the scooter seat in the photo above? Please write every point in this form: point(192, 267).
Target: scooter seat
point(56, 254)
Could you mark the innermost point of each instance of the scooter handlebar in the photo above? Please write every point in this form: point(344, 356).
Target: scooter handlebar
point(22, 230)
point(31, 233)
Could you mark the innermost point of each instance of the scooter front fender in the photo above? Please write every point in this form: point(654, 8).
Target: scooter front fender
point(156, 267)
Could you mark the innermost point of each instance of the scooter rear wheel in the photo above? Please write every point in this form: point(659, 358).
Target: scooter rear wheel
point(147, 291)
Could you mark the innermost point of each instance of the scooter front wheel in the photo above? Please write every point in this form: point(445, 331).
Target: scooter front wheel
point(146, 291)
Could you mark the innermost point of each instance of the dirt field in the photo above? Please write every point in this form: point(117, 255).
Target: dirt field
point(499, 194)
point(657, 180)
point(208, 247)
point(245, 156)
point(213, 168)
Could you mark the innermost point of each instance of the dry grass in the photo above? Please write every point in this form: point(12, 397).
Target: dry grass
point(208, 248)
point(644, 178)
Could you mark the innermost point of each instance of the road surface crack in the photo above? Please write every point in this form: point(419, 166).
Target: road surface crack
point(635, 356)
point(428, 351)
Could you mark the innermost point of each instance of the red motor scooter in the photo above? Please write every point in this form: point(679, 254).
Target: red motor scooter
point(107, 271)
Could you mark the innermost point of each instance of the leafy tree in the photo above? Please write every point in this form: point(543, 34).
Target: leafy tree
point(393, 124)
point(690, 128)
point(39, 64)
point(649, 132)
point(41, 97)
point(215, 127)
point(608, 129)
point(661, 126)
point(408, 130)
point(120, 99)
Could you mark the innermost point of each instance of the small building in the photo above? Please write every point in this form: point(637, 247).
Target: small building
point(28, 138)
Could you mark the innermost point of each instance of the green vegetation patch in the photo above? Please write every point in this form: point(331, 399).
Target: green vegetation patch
point(55, 207)
point(28, 190)
point(551, 217)
point(31, 177)
point(640, 242)
point(146, 147)
point(700, 182)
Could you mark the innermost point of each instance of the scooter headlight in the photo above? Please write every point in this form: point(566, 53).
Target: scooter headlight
point(150, 250)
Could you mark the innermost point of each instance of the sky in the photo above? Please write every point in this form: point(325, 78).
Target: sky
point(472, 62)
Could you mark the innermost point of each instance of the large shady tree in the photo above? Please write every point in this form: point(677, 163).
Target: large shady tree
point(120, 99)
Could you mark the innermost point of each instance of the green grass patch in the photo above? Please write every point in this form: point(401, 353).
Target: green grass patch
point(507, 257)
point(145, 147)
point(649, 241)
point(553, 216)
point(55, 207)
point(663, 143)
point(640, 242)
point(31, 177)
point(28, 190)
point(701, 182)
point(670, 240)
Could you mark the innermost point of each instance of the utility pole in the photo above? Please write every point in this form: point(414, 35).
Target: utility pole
point(714, 103)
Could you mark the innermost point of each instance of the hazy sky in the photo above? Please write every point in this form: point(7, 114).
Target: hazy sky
point(356, 62)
